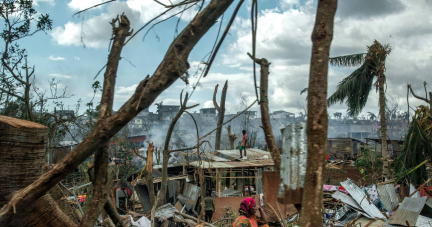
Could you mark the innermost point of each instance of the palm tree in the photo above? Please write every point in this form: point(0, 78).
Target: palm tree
point(356, 87)
point(372, 116)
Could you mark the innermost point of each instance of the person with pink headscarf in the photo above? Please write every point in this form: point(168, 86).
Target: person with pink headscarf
point(247, 218)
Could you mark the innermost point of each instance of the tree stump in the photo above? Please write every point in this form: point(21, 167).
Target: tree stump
point(22, 153)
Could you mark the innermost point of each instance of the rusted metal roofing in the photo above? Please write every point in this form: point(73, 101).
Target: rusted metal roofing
point(409, 211)
point(165, 211)
point(388, 196)
point(361, 198)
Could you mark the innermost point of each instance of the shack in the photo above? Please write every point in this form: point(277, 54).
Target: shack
point(393, 146)
point(344, 147)
point(224, 170)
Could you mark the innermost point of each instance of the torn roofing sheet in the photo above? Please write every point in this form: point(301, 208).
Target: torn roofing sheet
point(346, 199)
point(388, 196)
point(361, 198)
point(429, 202)
point(166, 211)
point(409, 211)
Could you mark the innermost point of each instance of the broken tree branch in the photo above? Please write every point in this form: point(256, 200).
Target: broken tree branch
point(416, 96)
point(100, 189)
point(214, 98)
point(209, 64)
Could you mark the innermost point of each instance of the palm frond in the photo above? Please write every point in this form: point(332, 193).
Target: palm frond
point(417, 148)
point(348, 60)
point(354, 89)
point(304, 90)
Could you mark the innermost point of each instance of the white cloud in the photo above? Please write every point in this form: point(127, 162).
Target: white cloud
point(50, 2)
point(96, 31)
point(77, 58)
point(284, 39)
point(61, 76)
point(52, 58)
point(83, 4)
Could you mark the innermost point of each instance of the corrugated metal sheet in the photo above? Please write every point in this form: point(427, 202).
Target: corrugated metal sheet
point(341, 212)
point(227, 165)
point(360, 197)
point(252, 154)
point(429, 202)
point(346, 199)
point(409, 211)
point(293, 163)
point(388, 196)
point(294, 155)
point(259, 181)
point(191, 192)
point(143, 196)
point(166, 211)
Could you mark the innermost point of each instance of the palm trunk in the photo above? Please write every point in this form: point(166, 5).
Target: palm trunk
point(317, 121)
point(383, 127)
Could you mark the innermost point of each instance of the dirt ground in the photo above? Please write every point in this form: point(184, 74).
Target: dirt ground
point(335, 176)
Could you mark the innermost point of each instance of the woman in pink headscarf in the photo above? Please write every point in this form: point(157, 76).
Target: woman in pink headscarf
point(247, 218)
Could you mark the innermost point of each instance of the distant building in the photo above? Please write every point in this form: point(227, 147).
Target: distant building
point(280, 114)
point(208, 114)
point(144, 113)
point(167, 112)
point(250, 114)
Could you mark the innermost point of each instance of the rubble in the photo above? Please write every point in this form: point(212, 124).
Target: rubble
point(374, 205)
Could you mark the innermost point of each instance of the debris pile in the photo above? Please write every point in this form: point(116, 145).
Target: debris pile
point(375, 205)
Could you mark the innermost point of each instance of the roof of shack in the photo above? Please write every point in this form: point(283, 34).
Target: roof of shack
point(226, 159)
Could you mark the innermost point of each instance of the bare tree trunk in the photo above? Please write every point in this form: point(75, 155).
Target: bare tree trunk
point(383, 126)
point(149, 174)
point(265, 117)
point(166, 151)
point(100, 189)
point(171, 68)
point(317, 120)
point(221, 113)
point(231, 137)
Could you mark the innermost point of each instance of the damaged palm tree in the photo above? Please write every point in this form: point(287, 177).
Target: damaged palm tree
point(356, 87)
point(221, 113)
point(317, 120)
point(172, 67)
point(418, 144)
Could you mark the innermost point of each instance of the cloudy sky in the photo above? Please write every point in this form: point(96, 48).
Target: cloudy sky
point(77, 47)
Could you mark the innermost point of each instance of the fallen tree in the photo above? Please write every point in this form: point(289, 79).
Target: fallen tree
point(172, 67)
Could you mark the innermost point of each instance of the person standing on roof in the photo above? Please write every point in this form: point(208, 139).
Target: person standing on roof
point(243, 145)
point(209, 207)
